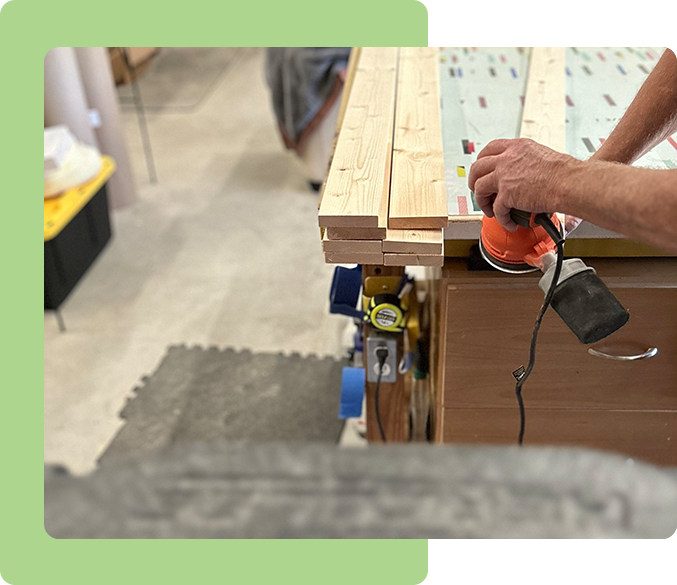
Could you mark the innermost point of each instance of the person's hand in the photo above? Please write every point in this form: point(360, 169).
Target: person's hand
point(519, 174)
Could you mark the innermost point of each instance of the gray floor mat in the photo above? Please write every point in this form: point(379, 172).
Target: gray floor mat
point(202, 395)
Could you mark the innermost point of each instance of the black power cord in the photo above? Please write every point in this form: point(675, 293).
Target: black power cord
point(382, 356)
point(543, 220)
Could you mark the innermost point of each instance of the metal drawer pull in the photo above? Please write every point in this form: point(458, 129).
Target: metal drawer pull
point(652, 351)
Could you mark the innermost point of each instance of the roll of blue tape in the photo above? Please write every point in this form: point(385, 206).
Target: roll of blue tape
point(352, 393)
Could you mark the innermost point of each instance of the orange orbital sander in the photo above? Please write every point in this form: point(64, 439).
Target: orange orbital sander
point(520, 251)
point(575, 291)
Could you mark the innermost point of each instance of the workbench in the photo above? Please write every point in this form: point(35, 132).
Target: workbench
point(480, 322)
point(573, 397)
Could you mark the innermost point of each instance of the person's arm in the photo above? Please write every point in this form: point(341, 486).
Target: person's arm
point(522, 174)
point(638, 203)
point(650, 119)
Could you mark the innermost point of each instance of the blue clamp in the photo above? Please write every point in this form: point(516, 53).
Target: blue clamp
point(345, 292)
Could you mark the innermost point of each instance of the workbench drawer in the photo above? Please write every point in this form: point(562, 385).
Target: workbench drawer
point(647, 435)
point(488, 336)
point(572, 397)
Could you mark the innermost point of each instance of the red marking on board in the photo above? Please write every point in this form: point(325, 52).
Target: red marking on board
point(522, 99)
point(471, 147)
point(671, 140)
point(602, 57)
point(609, 100)
point(569, 102)
point(602, 140)
point(454, 58)
point(483, 102)
point(649, 55)
point(462, 205)
point(503, 59)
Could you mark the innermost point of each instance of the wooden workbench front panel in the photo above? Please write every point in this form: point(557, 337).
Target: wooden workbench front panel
point(648, 435)
point(571, 397)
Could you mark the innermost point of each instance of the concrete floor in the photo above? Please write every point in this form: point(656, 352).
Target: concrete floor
point(223, 250)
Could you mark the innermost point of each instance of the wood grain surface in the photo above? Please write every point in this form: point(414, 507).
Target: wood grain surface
point(488, 335)
point(353, 258)
point(413, 260)
point(486, 319)
point(356, 191)
point(393, 397)
point(417, 192)
point(414, 241)
point(352, 246)
point(543, 116)
point(349, 233)
point(648, 435)
point(351, 69)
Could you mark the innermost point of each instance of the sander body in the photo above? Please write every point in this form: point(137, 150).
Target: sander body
point(579, 296)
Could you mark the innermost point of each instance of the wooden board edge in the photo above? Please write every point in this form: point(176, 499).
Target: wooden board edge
point(348, 221)
point(417, 223)
point(355, 233)
point(350, 258)
point(352, 246)
point(351, 68)
point(413, 259)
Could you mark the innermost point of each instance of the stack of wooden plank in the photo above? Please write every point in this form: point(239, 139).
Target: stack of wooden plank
point(384, 201)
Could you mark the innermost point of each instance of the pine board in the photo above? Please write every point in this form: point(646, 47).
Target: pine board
point(413, 260)
point(351, 258)
point(348, 233)
point(414, 241)
point(356, 192)
point(353, 59)
point(351, 246)
point(544, 104)
point(417, 190)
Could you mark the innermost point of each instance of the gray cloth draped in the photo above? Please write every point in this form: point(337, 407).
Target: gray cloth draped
point(303, 82)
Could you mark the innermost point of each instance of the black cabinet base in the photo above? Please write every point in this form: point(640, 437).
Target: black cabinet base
point(69, 254)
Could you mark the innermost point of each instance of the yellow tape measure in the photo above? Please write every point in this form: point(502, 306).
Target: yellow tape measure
point(385, 313)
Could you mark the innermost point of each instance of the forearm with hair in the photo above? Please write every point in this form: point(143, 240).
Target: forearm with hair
point(638, 203)
point(650, 119)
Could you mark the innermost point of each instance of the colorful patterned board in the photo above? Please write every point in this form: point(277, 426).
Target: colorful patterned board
point(482, 92)
point(601, 83)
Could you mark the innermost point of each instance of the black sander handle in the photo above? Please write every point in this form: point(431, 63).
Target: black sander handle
point(584, 302)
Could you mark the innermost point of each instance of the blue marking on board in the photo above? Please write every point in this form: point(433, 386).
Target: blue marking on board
point(460, 73)
point(568, 71)
point(621, 69)
point(514, 73)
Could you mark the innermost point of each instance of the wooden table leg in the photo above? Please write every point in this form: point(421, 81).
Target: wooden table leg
point(394, 397)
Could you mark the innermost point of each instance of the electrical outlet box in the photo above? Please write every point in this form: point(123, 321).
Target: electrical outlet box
point(389, 374)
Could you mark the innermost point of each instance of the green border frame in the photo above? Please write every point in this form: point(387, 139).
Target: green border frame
point(28, 29)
